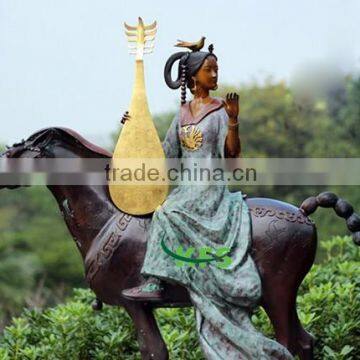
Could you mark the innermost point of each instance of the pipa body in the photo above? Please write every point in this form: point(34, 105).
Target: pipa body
point(138, 144)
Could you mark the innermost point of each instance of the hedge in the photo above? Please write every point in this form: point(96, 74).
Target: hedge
point(328, 303)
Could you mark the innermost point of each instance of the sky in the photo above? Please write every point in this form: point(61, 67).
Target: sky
point(66, 63)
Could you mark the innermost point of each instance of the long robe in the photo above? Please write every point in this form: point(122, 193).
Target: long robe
point(210, 217)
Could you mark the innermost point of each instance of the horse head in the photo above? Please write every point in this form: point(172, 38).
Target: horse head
point(53, 142)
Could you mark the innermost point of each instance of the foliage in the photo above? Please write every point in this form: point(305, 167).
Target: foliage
point(328, 307)
point(329, 301)
point(39, 262)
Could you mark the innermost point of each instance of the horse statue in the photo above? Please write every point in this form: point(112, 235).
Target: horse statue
point(113, 244)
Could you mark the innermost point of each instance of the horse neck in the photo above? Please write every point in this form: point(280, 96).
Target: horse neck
point(85, 208)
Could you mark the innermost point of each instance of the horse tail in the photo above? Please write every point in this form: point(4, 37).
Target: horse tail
point(342, 208)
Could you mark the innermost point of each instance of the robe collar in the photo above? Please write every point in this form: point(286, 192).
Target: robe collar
point(186, 117)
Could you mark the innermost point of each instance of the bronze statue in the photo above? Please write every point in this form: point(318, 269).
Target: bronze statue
point(113, 244)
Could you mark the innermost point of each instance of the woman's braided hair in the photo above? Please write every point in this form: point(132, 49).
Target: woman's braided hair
point(189, 65)
point(183, 83)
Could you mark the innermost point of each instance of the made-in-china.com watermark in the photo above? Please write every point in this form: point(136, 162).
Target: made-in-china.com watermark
point(182, 171)
point(192, 172)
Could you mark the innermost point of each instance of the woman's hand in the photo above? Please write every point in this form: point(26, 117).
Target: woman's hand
point(125, 117)
point(232, 105)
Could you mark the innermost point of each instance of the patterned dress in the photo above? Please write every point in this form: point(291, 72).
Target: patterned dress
point(210, 217)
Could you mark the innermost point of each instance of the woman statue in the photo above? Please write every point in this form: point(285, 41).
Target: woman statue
point(207, 217)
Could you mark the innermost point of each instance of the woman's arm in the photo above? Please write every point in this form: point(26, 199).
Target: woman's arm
point(232, 141)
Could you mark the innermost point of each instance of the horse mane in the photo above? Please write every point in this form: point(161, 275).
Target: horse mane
point(74, 136)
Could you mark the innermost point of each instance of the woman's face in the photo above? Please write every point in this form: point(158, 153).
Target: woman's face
point(207, 76)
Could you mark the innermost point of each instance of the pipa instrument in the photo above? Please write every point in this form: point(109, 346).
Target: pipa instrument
point(138, 143)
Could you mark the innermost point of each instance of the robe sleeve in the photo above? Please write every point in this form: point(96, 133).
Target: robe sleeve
point(222, 132)
point(171, 143)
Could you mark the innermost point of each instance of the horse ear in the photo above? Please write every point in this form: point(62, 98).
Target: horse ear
point(50, 134)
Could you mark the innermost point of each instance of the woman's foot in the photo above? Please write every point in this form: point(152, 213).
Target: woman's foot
point(150, 290)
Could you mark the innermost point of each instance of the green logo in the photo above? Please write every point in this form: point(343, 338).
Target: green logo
point(205, 255)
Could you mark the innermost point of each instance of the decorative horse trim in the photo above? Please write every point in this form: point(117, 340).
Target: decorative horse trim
point(282, 215)
point(108, 249)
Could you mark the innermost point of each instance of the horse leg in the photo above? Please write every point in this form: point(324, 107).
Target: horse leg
point(281, 309)
point(304, 340)
point(151, 343)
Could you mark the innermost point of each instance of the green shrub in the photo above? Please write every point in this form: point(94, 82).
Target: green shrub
point(328, 306)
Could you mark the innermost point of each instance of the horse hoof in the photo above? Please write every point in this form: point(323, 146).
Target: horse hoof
point(97, 305)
